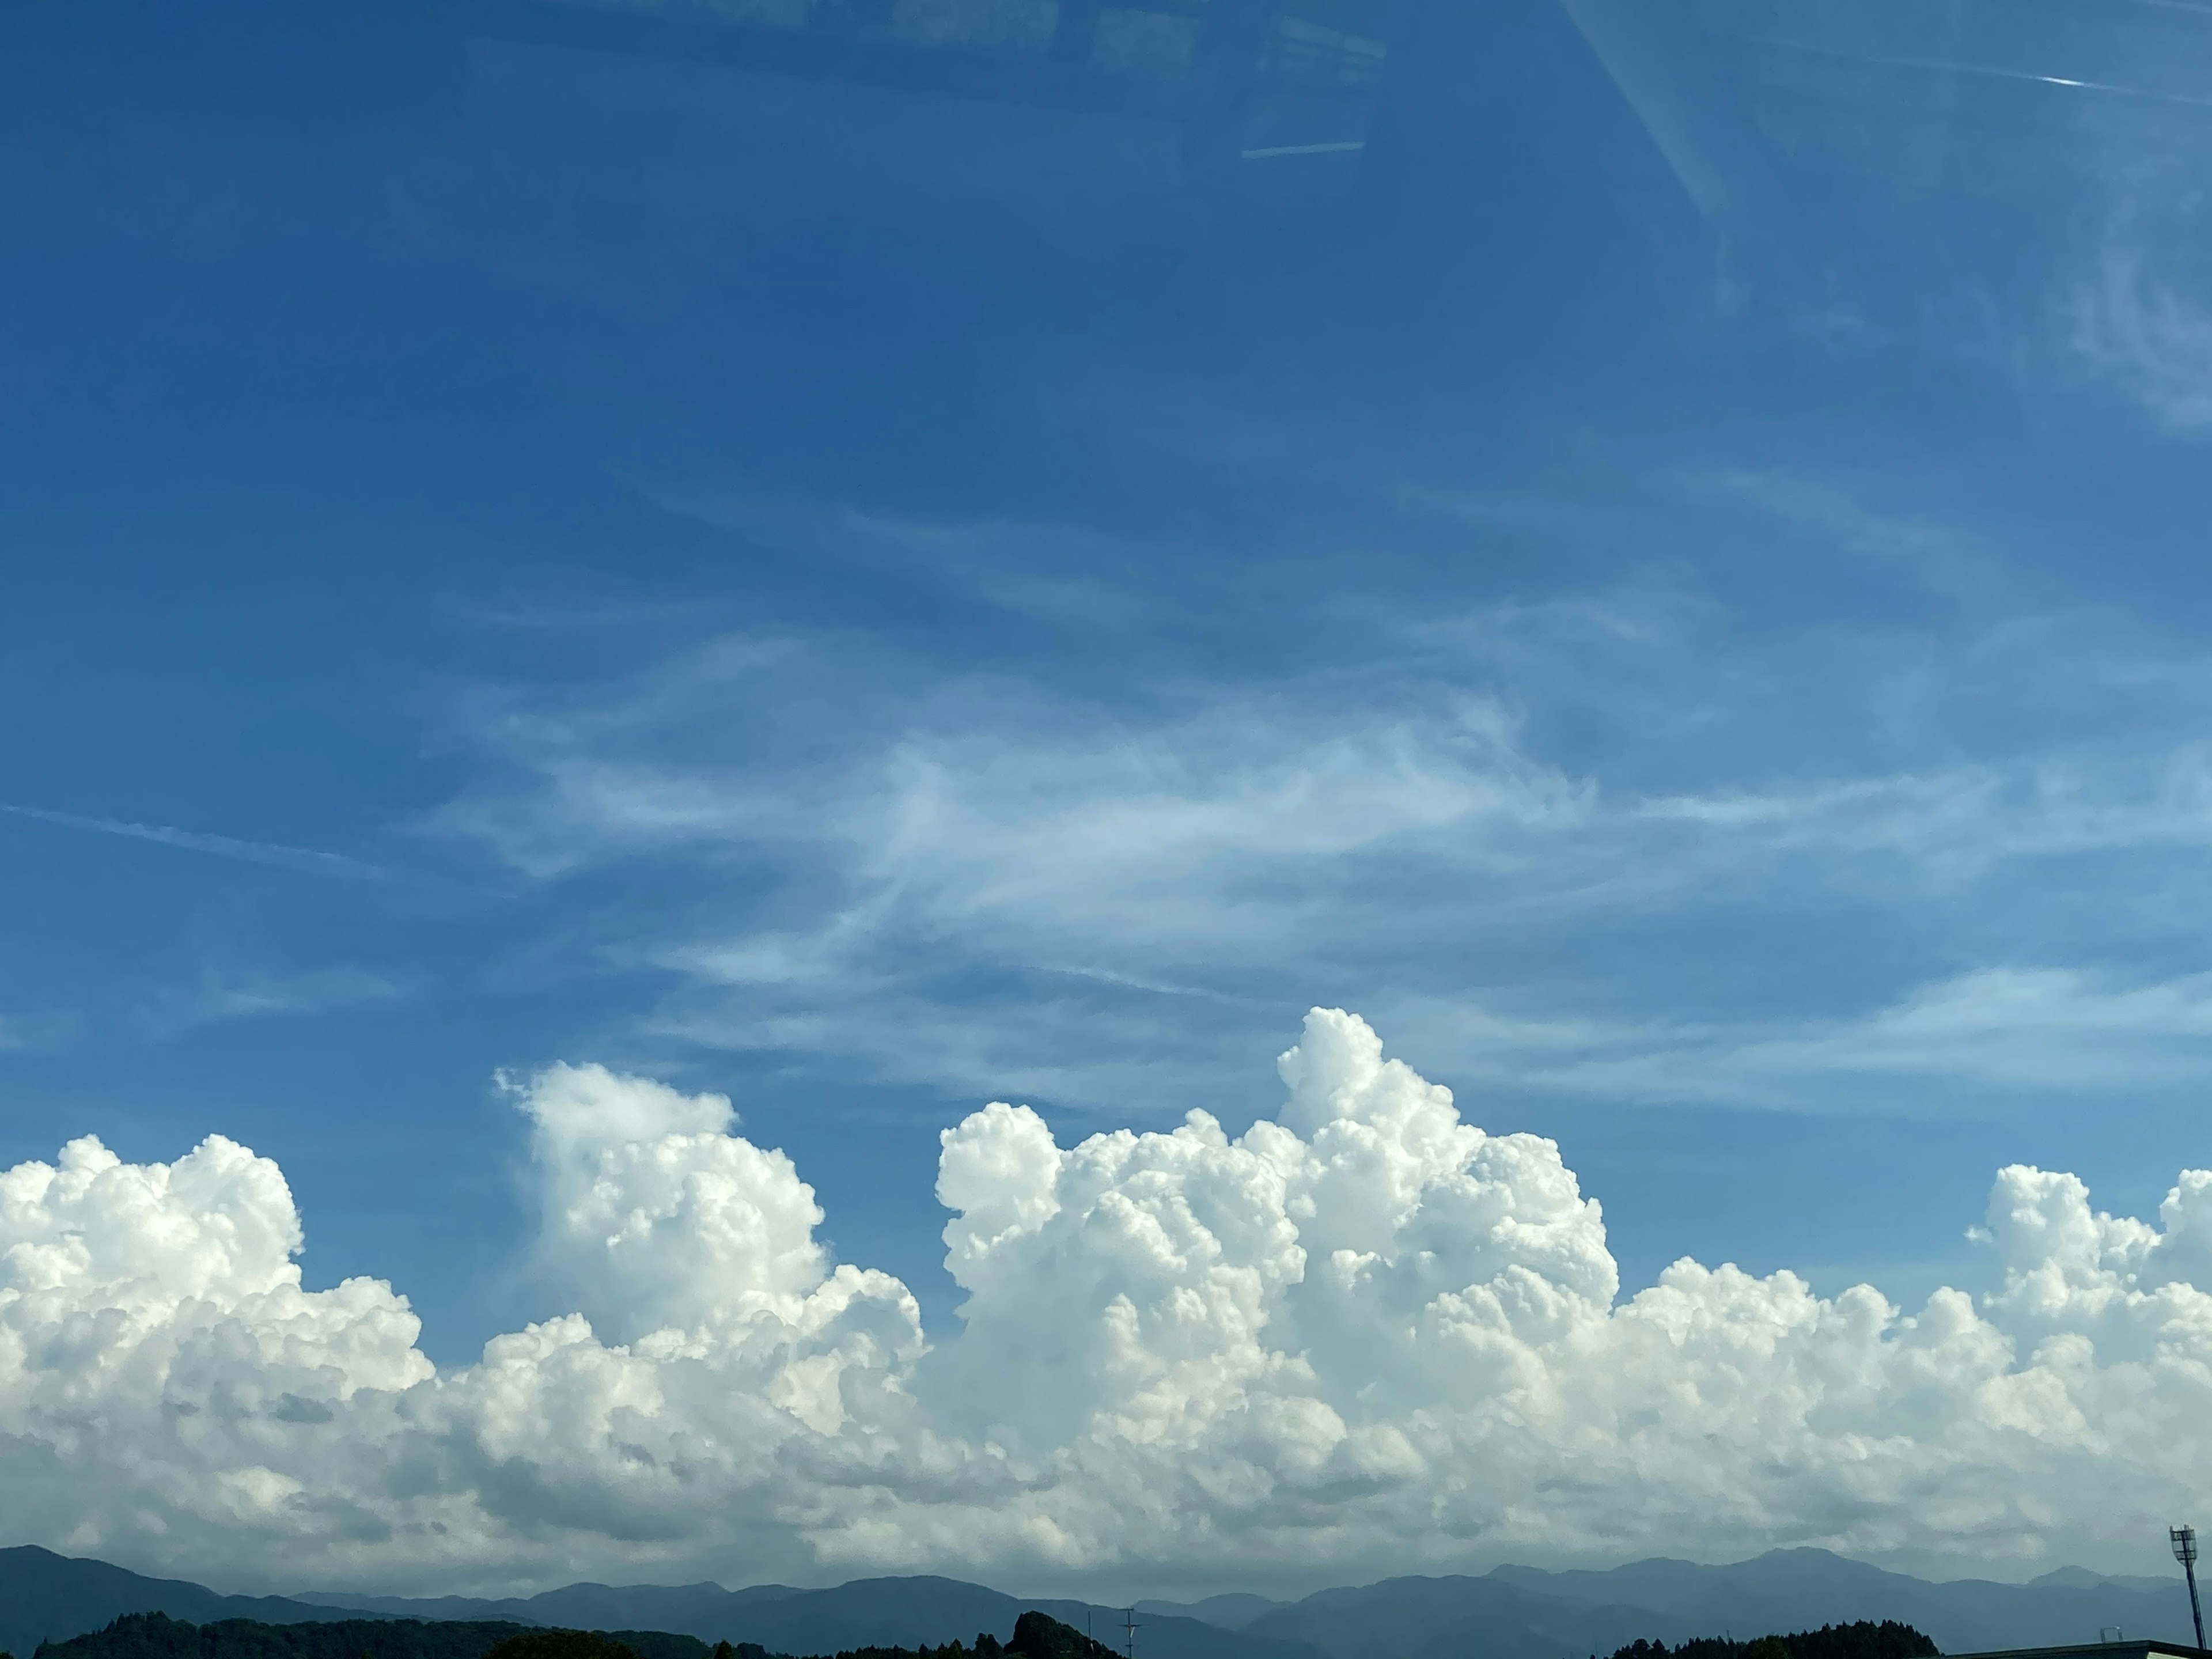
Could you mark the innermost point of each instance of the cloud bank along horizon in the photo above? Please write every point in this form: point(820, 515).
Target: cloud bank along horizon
point(1364, 1338)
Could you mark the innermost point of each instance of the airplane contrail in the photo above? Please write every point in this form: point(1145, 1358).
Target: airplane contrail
point(228, 846)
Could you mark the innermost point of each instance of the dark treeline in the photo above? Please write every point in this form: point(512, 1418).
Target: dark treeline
point(1036, 1636)
point(1864, 1640)
point(156, 1636)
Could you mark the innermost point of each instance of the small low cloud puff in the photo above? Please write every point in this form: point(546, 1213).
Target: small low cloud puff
point(1363, 1337)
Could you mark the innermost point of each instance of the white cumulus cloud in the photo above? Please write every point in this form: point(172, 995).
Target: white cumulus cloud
point(1364, 1336)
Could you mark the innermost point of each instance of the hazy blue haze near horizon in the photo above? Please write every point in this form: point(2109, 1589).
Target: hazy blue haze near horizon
point(1671, 582)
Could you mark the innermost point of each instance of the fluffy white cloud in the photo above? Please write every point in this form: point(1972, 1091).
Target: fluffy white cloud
point(1362, 1336)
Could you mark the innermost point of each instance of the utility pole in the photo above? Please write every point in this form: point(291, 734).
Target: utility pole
point(2185, 1551)
point(1129, 1631)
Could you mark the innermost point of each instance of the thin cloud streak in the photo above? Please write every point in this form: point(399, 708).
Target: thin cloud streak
point(273, 853)
point(217, 998)
point(1991, 1033)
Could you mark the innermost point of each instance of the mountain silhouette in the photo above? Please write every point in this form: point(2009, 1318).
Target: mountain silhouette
point(49, 1597)
point(1512, 1613)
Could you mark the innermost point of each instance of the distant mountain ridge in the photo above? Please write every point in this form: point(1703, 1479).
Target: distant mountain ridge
point(49, 1597)
point(576, 1607)
point(1526, 1613)
point(1511, 1612)
point(1233, 1611)
point(2082, 1578)
point(865, 1613)
point(1803, 1588)
point(156, 1636)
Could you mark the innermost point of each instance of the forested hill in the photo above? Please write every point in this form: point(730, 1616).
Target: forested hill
point(1864, 1640)
point(156, 1636)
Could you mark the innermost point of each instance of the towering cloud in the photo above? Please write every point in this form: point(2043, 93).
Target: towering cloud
point(1362, 1336)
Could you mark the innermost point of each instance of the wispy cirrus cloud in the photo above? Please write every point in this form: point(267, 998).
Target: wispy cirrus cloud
point(1542, 837)
point(1985, 1036)
point(2149, 337)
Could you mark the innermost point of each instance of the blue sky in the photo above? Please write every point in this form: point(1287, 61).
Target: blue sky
point(1670, 582)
